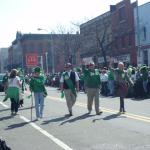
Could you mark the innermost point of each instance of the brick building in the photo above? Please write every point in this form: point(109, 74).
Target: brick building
point(59, 48)
point(96, 34)
point(123, 37)
point(115, 30)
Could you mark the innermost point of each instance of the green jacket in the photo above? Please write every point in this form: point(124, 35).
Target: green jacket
point(110, 75)
point(37, 84)
point(92, 78)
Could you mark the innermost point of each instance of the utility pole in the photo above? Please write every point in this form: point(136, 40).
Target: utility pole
point(138, 34)
point(46, 53)
point(41, 62)
point(52, 50)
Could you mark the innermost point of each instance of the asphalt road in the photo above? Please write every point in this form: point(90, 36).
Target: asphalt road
point(56, 131)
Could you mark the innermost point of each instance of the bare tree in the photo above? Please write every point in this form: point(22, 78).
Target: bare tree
point(102, 32)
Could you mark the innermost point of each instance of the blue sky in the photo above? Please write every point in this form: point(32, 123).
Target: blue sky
point(28, 15)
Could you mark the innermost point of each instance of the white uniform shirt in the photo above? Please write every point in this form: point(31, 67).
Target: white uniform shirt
point(104, 77)
point(76, 77)
point(14, 82)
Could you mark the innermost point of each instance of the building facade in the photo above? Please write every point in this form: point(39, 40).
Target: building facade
point(110, 35)
point(142, 26)
point(3, 59)
point(53, 51)
point(96, 37)
point(123, 37)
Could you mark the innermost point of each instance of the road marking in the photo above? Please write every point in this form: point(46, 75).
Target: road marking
point(112, 111)
point(44, 132)
point(54, 139)
point(4, 105)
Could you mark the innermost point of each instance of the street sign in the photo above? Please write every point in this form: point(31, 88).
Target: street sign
point(31, 59)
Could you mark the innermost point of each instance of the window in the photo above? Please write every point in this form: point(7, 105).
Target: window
point(116, 43)
point(31, 47)
point(24, 47)
point(123, 41)
point(145, 57)
point(144, 33)
point(40, 48)
point(130, 39)
point(122, 14)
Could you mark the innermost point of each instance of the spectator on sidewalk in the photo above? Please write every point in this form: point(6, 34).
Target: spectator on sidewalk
point(111, 83)
point(104, 82)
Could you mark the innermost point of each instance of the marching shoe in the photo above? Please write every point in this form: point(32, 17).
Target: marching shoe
point(99, 113)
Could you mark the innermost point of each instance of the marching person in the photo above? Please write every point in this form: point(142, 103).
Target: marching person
point(38, 88)
point(69, 83)
point(23, 87)
point(12, 92)
point(5, 81)
point(122, 81)
point(93, 82)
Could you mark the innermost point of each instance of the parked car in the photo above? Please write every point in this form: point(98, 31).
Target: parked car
point(1, 82)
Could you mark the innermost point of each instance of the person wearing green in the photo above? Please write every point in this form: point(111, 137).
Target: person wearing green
point(5, 81)
point(12, 91)
point(144, 75)
point(37, 86)
point(69, 82)
point(123, 81)
point(92, 79)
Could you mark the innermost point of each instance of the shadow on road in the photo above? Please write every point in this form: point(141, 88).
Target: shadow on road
point(113, 116)
point(25, 108)
point(56, 119)
point(77, 118)
point(18, 125)
point(4, 109)
point(140, 99)
point(5, 118)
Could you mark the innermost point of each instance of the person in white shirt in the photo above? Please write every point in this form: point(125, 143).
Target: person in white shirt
point(104, 82)
point(69, 84)
point(14, 81)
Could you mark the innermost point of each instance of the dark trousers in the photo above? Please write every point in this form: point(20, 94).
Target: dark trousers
point(104, 89)
point(14, 105)
point(122, 104)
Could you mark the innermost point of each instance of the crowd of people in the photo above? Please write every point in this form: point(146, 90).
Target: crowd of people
point(139, 75)
point(107, 81)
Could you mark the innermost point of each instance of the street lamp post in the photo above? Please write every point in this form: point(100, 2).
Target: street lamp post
point(41, 61)
point(52, 50)
point(46, 53)
point(138, 33)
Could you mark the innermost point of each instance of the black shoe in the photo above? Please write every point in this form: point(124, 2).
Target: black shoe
point(70, 113)
point(123, 111)
point(15, 113)
point(99, 113)
point(89, 112)
point(12, 113)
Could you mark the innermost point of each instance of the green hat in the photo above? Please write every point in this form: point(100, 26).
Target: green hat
point(37, 69)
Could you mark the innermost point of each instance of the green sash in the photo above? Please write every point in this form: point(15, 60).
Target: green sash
point(62, 94)
point(12, 92)
point(69, 83)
